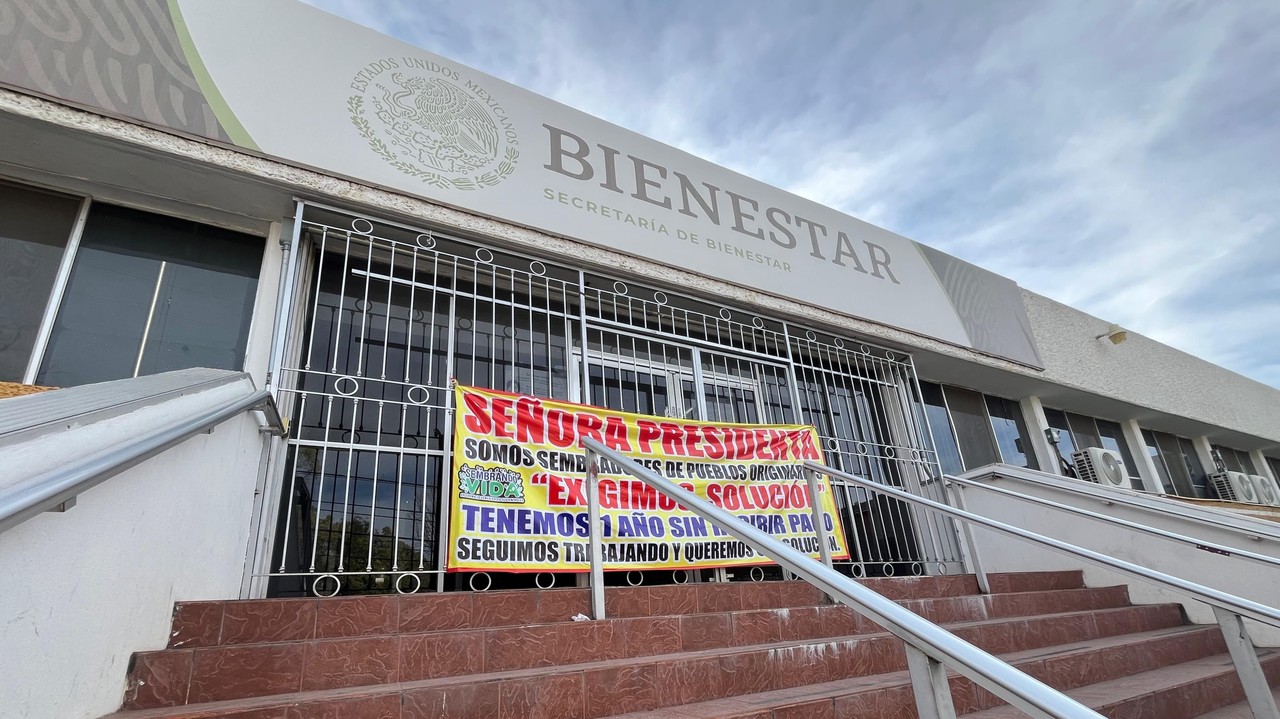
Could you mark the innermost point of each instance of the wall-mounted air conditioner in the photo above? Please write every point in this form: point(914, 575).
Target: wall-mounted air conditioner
point(1103, 466)
point(1268, 491)
point(1234, 487)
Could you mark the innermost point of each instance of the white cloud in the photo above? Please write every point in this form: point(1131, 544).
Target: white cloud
point(1117, 157)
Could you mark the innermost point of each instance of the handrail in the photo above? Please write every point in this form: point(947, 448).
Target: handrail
point(62, 484)
point(1202, 544)
point(1257, 533)
point(1228, 608)
point(929, 646)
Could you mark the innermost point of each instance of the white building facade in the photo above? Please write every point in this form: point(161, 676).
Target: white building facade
point(364, 224)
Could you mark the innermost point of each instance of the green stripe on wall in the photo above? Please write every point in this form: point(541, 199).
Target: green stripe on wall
point(230, 123)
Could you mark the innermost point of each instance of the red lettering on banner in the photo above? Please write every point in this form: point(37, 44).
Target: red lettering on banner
point(713, 446)
point(501, 408)
point(616, 435)
point(739, 497)
point(564, 491)
point(477, 417)
point(529, 426)
point(589, 426)
point(646, 432)
point(691, 438)
point(672, 439)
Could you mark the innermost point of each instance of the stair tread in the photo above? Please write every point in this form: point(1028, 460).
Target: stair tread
point(967, 623)
point(1102, 694)
point(831, 690)
point(794, 694)
point(1066, 595)
point(1239, 710)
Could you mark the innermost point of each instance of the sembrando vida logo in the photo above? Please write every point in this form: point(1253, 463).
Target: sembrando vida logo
point(428, 122)
point(497, 484)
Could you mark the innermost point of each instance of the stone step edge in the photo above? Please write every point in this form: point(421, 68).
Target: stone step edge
point(875, 632)
point(1200, 670)
point(1239, 710)
point(902, 602)
point(283, 700)
point(785, 698)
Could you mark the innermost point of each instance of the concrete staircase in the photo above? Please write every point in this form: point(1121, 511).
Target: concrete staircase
point(770, 650)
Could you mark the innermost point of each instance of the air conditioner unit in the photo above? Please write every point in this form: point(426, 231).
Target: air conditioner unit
point(1103, 466)
point(1234, 487)
point(1268, 491)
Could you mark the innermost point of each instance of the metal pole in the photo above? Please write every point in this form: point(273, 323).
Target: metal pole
point(970, 542)
point(1024, 692)
point(819, 520)
point(929, 683)
point(596, 547)
point(55, 294)
point(1256, 688)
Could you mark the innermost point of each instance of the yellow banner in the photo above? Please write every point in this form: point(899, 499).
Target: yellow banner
point(518, 498)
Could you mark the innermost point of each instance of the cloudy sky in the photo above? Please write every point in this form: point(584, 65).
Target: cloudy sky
point(1121, 157)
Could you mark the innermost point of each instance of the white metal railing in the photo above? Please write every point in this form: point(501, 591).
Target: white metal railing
point(58, 487)
point(1229, 609)
point(1197, 543)
point(930, 649)
point(1258, 531)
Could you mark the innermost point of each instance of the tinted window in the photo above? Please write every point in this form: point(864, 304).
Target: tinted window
point(1153, 451)
point(940, 431)
point(1066, 445)
point(150, 294)
point(973, 428)
point(1011, 432)
point(1194, 468)
point(1171, 453)
point(34, 229)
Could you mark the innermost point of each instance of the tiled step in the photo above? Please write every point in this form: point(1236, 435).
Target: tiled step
point(1183, 691)
point(205, 624)
point(602, 687)
point(890, 696)
point(177, 676)
point(1239, 710)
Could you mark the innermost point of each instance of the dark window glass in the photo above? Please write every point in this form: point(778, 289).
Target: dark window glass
point(1195, 469)
point(149, 294)
point(1112, 437)
point(940, 431)
point(1011, 432)
point(973, 427)
point(34, 228)
point(1171, 454)
point(1153, 451)
point(1084, 431)
point(1229, 458)
point(1236, 460)
point(1066, 445)
point(1275, 466)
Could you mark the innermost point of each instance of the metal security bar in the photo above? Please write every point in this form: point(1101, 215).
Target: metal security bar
point(1229, 609)
point(931, 650)
point(388, 315)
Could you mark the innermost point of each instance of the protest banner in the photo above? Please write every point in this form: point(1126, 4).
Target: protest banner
point(518, 497)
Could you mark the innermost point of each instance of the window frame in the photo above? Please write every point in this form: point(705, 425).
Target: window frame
point(53, 302)
point(57, 294)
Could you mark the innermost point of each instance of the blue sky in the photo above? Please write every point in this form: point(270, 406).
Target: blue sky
point(1123, 158)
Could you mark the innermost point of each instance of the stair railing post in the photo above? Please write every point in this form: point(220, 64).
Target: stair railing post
point(930, 686)
point(595, 541)
point(819, 521)
point(1243, 654)
point(971, 552)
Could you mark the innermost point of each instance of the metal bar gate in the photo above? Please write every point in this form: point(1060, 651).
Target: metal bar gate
point(386, 315)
